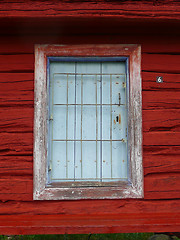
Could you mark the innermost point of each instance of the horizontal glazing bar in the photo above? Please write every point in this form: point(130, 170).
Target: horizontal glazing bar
point(86, 104)
point(96, 74)
point(80, 179)
point(88, 140)
point(88, 59)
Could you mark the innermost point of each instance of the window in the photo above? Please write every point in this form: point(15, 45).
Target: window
point(88, 122)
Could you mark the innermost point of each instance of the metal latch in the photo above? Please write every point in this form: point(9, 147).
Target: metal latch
point(51, 118)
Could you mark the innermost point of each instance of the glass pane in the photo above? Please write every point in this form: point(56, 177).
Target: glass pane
point(88, 121)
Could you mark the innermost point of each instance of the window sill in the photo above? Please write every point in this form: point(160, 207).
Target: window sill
point(54, 192)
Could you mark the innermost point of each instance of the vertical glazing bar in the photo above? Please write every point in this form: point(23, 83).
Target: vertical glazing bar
point(125, 79)
point(126, 105)
point(101, 121)
point(111, 122)
point(81, 122)
point(75, 125)
point(96, 131)
point(126, 112)
point(51, 117)
point(67, 131)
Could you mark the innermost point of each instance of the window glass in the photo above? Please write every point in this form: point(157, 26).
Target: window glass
point(87, 121)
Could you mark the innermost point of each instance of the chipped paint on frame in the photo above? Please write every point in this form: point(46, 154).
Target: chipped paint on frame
point(131, 189)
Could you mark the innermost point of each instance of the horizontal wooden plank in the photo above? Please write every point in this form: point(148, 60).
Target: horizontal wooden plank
point(161, 150)
point(16, 188)
point(58, 224)
point(158, 131)
point(150, 62)
point(16, 78)
point(15, 185)
point(161, 138)
point(161, 63)
point(17, 63)
point(158, 164)
point(171, 82)
point(156, 186)
point(16, 144)
point(126, 9)
point(22, 143)
point(157, 159)
point(16, 89)
point(161, 120)
point(162, 186)
point(16, 165)
point(149, 44)
point(83, 24)
point(161, 44)
point(16, 196)
point(14, 119)
point(99, 207)
point(161, 100)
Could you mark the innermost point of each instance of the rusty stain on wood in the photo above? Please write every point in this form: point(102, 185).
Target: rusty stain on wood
point(119, 119)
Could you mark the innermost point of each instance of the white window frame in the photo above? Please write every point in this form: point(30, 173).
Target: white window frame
point(133, 188)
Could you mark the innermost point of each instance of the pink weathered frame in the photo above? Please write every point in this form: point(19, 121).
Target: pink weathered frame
point(131, 189)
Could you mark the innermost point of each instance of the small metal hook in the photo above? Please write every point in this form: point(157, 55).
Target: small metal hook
point(51, 118)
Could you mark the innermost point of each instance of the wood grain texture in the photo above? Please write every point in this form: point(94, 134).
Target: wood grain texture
point(161, 138)
point(81, 207)
point(171, 82)
point(161, 63)
point(156, 186)
point(161, 120)
point(16, 119)
point(125, 9)
point(15, 188)
point(159, 159)
point(161, 151)
point(21, 143)
point(16, 165)
point(16, 89)
point(89, 224)
point(16, 144)
point(161, 100)
point(24, 44)
point(17, 63)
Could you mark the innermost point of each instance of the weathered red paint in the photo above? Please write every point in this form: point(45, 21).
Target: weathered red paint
point(91, 9)
point(159, 211)
point(89, 223)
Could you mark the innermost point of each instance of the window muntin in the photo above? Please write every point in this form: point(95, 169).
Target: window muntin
point(87, 120)
point(133, 188)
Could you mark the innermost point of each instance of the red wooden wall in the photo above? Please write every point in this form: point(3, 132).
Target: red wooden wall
point(160, 208)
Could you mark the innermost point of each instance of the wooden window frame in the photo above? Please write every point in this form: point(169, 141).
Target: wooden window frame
point(133, 188)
